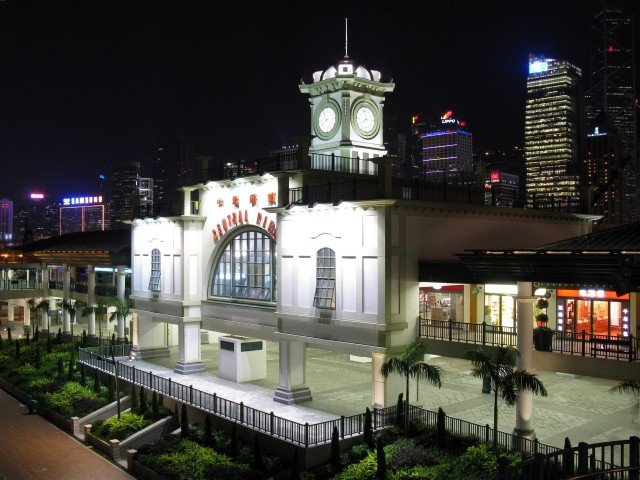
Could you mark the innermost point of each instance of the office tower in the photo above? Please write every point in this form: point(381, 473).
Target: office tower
point(501, 189)
point(552, 134)
point(447, 149)
point(146, 197)
point(172, 168)
point(30, 219)
point(506, 160)
point(604, 179)
point(612, 89)
point(81, 214)
point(124, 201)
point(6, 221)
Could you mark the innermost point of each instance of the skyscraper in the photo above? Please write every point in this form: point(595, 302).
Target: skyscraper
point(6, 220)
point(172, 168)
point(146, 196)
point(447, 149)
point(612, 89)
point(552, 134)
point(124, 199)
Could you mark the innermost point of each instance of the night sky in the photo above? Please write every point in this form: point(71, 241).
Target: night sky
point(85, 85)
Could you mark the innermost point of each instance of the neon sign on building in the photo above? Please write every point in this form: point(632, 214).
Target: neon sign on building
point(92, 200)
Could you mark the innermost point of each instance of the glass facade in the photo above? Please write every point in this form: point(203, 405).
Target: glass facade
point(442, 303)
point(552, 121)
point(246, 268)
point(500, 310)
point(597, 312)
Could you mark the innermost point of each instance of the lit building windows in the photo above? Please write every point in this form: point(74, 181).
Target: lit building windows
point(246, 268)
point(325, 295)
point(154, 279)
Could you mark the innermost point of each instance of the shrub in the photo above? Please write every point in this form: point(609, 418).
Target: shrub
point(120, 428)
point(8, 334)
point(111, 391)
point(49, 346)
point(184, 422)
point(367, 438)
point(96, 381)
point(381, 461)
point(234, 447)
point(406, 453)
point(70, 373)
point(389, 435)
point(17, 348)
point(355, 454)
point(143, 400)
point(257, 461)
point(155, 408)
point(441, 432)
point(60, 368)
point(208, 437)
point(365, 469)
point(334, 458)
point(38, 360)
point(62, 401)
point(399, 409)
point(83, 376)
point(295, 466)
point(134, 398)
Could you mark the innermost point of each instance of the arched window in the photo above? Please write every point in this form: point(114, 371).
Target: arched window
point(325, 296)
point(154, 279)
point(246, 268)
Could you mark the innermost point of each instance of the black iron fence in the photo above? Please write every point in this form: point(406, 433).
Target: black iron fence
point(289, 430)
point(584, 344)
point(618, 459)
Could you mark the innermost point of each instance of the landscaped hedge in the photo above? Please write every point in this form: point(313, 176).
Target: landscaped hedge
point(119, 428)
point(51, 384)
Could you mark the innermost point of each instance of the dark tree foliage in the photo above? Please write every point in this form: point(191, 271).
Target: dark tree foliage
point(334, 459)
point(381, 470)
point(184, 422)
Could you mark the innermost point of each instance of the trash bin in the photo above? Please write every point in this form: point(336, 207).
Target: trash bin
point(33, 407)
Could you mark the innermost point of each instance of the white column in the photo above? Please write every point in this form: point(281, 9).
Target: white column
point(292, 366)
point(66, 297)
point(384, 391)
point(91, 300)
point(120, 276)
point(45, 279)
point(10, 317)
point(26, 315)
point(524, 341)
point(189, 360)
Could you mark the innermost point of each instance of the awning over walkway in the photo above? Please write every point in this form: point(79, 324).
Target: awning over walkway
point(607, 259)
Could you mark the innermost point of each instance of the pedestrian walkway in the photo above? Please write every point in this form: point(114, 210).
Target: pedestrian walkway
point(33, 449)
point(578, 407)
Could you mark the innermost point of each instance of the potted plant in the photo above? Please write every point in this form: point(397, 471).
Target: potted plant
point(542, 335)
point(542, 304)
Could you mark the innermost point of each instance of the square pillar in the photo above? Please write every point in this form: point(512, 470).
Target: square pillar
point(384, 391)
point(91, 300)
point(66, 298)
point(189, 348)
point(292, 367)
point(524, 342)
point(10, 315)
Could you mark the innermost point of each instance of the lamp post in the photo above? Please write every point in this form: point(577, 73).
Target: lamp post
point(115, 371)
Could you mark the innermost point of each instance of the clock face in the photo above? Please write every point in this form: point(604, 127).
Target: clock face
point(365, 119)
point(327, 119)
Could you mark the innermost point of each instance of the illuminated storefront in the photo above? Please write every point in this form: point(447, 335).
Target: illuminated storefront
point(442, 302)
point(500, 305)
point(600, 312)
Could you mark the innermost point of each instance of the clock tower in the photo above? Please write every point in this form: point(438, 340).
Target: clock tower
point(346, 110)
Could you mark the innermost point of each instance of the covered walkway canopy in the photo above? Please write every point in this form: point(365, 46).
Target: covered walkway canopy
point(608, 259)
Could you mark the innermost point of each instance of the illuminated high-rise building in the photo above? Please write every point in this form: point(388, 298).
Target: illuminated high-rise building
point(124, 186)
point(146, 196)
point(6, 220)
point(81, 214)
point(447, 149)
point(172, 168)
point(612, 89)
point(552, 134)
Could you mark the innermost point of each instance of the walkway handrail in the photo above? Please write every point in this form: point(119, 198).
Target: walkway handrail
point(584, 344)
point(289, 430)
point(580, 460)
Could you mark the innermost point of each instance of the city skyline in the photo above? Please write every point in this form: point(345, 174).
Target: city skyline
point(96, 87)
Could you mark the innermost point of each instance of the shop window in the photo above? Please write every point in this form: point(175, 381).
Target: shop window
point(246, 268)
point(154, 279)
point(325, 295)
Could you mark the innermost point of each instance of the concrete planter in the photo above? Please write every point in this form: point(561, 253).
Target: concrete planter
point(115, 448)
point(14, 391)
point(58, 420)
point(139, 470)
point(103, 413)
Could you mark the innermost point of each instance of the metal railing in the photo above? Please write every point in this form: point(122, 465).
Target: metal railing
point(584, 344)
point(106, 290)
point(19, 284)
point(289, 430)
point(56, 285)
point(583, 459)
point(334, 192)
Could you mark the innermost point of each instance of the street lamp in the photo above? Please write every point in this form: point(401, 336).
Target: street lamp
point(115, 370)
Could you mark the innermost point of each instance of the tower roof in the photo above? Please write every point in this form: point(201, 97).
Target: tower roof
point(347, 68)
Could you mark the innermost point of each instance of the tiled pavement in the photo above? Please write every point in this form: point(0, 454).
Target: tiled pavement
point(33, 449)
point(578, 407)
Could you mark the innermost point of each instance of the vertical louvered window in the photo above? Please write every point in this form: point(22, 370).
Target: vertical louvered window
point(154, 279)
point(325, 295)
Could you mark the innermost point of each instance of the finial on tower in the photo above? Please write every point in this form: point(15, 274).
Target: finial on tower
point(346, 38)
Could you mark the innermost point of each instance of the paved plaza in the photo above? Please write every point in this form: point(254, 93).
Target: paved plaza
point(580, 408)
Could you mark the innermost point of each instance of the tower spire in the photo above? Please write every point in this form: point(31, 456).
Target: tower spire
point(346, 38)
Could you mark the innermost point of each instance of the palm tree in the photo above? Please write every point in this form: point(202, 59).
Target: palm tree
point(100, 310)
point(33, 308)
point(628, 386)
point(45, 306)
point(498, 364)
point(121, 309)
point(72, 308)
point(410, 365)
